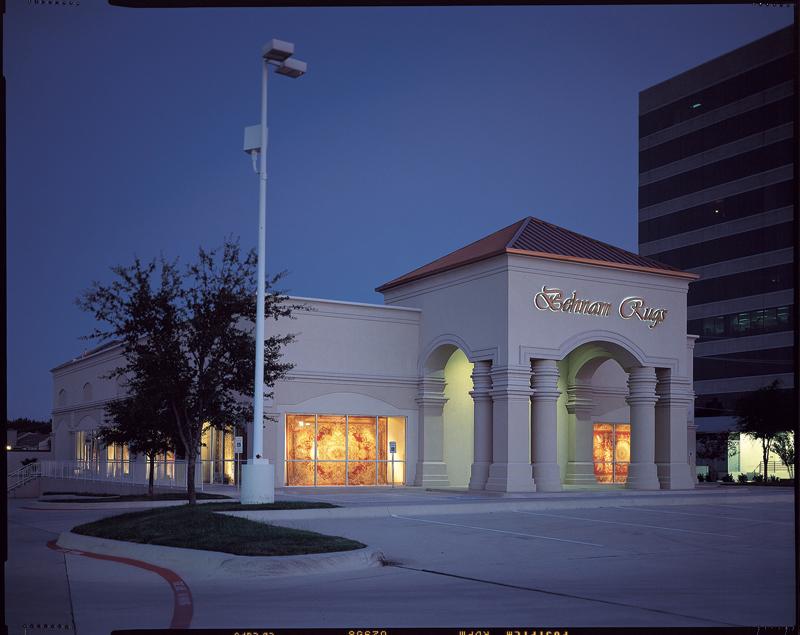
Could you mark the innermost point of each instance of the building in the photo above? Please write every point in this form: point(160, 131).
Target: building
point(533, 359)
point(716, 191)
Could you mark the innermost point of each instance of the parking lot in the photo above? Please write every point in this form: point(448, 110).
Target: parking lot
point(718, 562)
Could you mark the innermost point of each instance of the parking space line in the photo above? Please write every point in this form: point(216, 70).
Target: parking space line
point(618, 522)
point(499, 531)
point(571, 596)
point(664, 511)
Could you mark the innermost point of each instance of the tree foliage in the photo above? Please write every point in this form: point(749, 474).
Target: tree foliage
point(188, 338)
point(763, 414)
point(783, 447)
point(140, 420)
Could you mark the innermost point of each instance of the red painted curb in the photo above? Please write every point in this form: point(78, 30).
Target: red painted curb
point(183, 607)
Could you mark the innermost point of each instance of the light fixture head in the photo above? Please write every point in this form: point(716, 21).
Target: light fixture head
point(278, 50)
point(292, 68)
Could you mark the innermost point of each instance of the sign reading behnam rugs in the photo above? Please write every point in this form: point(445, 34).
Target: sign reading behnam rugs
point(631, 307)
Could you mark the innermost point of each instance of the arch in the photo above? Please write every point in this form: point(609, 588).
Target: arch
point(87, 391)
point(439, 351)
point(87, 422)
point(62, 397)
point(626, 352)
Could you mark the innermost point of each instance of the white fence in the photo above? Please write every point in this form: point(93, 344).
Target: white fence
point(166, 473)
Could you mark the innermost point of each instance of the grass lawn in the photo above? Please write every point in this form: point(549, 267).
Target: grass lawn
point(198, 527)
point(113, 498)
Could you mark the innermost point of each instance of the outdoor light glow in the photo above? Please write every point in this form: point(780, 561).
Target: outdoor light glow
point(8, 447)
point(697, 105)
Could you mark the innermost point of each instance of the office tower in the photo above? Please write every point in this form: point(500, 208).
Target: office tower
point(716, 190)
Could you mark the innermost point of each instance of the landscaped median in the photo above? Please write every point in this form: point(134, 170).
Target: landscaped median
point(195, 536)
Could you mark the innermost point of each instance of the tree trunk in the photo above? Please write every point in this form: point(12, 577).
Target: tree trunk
point(152, 458)
point(765, 452)
point(191, 463)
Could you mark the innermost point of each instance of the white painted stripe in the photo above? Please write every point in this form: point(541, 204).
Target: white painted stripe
point(740, 518)
point(616, 522)
point(498, 531)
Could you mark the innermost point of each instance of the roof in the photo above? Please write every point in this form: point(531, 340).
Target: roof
point(89, 353)
point(540, 239)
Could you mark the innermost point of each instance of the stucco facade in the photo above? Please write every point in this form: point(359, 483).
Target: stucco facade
point(500, 369)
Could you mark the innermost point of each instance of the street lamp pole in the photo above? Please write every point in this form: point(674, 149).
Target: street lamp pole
point(258, 475)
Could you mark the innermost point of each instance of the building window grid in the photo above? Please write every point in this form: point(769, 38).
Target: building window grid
point(347, 459)
point(744, 323)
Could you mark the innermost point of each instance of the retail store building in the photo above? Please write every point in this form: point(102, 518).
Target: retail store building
point(531, 359)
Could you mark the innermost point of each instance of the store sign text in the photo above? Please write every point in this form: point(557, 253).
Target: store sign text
point(549, 299)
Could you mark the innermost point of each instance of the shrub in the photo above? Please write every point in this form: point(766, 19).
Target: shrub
point(727, 478)
point(742, 478)
point(758, 478)
point(700, 478)
point(25, 462)
point(773, 480)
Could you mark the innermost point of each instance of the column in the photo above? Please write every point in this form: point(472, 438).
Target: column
point(482, 400)
point(431, 468)
point(642, 397)
point(580, 406)
point(544, 420)
point(511, 405)
point(675, 396)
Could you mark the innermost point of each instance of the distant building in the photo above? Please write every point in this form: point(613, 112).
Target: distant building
point(716, 198)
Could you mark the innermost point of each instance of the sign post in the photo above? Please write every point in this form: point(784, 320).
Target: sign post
point(238, 446)
point(392, 451)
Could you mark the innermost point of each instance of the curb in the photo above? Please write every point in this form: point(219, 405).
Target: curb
point(215, 562)
point(82, 505)
point(510, 505)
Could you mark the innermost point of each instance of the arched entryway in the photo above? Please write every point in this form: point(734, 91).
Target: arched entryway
point(598, 431)
point(446, 419)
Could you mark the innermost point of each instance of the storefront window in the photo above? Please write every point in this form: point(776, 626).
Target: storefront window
point(344, 450)
point(117, 459)
point(611, 452)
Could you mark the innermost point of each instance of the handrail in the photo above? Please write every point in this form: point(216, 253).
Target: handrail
point(23, 475)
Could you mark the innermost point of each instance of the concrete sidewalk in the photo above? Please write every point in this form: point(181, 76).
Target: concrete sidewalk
point(378, 505)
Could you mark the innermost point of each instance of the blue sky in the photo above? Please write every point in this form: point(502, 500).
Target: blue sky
point(415, 131)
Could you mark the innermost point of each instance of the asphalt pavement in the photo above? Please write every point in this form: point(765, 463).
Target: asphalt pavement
point(709, 560)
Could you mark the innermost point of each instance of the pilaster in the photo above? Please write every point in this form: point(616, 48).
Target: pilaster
point(675, 397)
point(431, 468)
point(580, 406)
point(482, 403)
point(642, 473)
point(511, 397)
point(544, 418)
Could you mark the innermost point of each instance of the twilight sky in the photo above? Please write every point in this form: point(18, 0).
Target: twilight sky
point(415, 132)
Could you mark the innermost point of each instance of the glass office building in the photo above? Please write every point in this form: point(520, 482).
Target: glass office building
point(716, 191)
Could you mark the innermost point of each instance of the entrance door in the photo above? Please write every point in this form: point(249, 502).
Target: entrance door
point(611, 451)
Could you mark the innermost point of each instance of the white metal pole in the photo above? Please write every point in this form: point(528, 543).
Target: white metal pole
point(258, 397)
point(258, 484)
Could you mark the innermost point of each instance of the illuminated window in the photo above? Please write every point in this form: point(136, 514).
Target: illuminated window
point(344, 450)
point(611, 450)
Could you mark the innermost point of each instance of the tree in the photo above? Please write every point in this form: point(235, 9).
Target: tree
point(143, 422)
point(24, 424)
point(715, 446)
point(763, 414)
point(783, 446)
point(189, 338)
